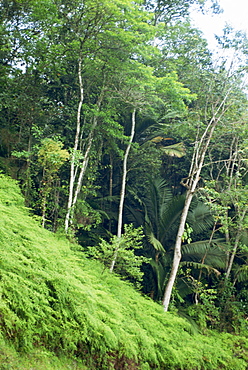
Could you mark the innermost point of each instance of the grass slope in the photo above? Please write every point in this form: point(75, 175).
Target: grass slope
point(60, 310)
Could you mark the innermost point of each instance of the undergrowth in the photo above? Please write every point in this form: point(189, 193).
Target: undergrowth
point(56, 301)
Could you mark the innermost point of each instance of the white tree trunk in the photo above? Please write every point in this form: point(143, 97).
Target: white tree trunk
point(43, 217)
point(177, 251)
point(84, 164)
point(123, 188)
point(192, 180)
point(75, 186)
point(236, 243)
point(110, 186)
point(76, 142)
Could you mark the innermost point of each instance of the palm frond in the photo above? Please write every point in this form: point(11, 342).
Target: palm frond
point(242, 273)
point(199, 248)
point(151, 130)
point(200, 266)
point(103, 213)
point(160, 185)
point(200, 217)
point(135, 215)
point(175, 150)
point(174, 205)
point(155, 242)
point(213, 254)
point(160, 273)
point(132, 191)
point(170, 217)
point(157, 194)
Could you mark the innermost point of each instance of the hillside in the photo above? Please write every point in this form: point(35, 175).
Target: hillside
point(60, 310)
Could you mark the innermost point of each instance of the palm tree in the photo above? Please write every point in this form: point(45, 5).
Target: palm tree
point(159, 213)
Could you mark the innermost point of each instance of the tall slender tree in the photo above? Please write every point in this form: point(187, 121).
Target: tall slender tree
point(216, 109)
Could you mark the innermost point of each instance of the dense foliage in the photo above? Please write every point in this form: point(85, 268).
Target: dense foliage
point(54, 298)
point(128, 138)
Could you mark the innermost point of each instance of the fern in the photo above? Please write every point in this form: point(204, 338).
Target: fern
point(57, 300)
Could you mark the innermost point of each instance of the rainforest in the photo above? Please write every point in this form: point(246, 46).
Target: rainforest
point(123, 187)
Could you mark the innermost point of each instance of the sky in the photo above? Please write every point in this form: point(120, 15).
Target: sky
point(235, 13)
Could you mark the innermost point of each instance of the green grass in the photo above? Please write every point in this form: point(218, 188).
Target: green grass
point(58, 307)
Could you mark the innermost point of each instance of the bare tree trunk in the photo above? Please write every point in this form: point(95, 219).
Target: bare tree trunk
point(123, 188)
point(56, 205)
point(86, 154)
point(76, 142)
point(75, 186)
point(191, 182)
point(236, 243)
point(177, 251)
point(83, 167)
point(27, 183)
point(45, 183)
point(110, 186)
point(233, 163)
point(43, 216)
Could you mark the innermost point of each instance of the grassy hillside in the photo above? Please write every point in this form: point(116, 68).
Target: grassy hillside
point(59, 310)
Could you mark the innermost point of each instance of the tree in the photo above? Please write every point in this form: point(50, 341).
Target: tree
point(215, 112)
point(226, 192)
point(142, 90)
point(169, 10)
point(159, 212)
point(111, 18)
point(135, 96)
point(51, 157)
point(127, 263)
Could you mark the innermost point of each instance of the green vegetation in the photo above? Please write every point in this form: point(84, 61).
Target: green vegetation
point(54, 300)
point(128, 142)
